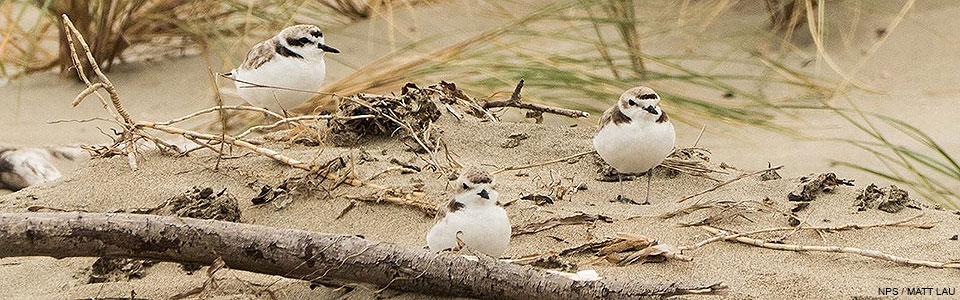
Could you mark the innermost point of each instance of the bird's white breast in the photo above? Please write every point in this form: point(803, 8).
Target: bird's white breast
point(485, 229)
point(634, 147)
point(286, 72)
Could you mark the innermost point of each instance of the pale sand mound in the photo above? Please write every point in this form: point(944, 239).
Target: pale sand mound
point(106, 185)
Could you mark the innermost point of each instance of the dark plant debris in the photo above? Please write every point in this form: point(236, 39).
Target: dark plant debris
point(269, 193)
point(770, 174)
point(203, 203)
point(408, 116)
point(513, 140)
point(109, 269)
point(812, 186)
point(889, 199)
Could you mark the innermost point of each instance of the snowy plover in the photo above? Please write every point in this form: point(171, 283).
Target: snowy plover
point(288, 67)
point(474, 215)
point(635, 135)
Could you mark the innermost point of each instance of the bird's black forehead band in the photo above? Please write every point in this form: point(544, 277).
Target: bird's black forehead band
point(316, 34)
point(647, 96)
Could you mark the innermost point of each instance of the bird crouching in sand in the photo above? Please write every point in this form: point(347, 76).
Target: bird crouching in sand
point(284, 71)
point(635, 135)
point(23, 167)
point(474, 217)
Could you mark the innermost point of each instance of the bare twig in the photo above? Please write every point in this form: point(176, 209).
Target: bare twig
point(427, 208)
point(539, 164)
point(515, 101)
point(218, 108)
point(722, 184)
point(300, 118)
point(837, 249)
point(727, 235)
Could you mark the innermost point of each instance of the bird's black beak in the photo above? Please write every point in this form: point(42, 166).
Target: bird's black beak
point(483, 194)
point(651, 109)
point(326, 48)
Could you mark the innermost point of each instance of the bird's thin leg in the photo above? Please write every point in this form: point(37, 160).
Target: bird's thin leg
point(620, 184)
point(649, 178)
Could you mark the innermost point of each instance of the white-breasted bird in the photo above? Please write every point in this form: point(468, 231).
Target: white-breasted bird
point(474, 215)
point(284, 71)
point(635, 135)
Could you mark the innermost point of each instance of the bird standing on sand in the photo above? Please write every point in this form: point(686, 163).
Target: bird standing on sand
point(635, 135)
point(473, 216)
point(285, 70)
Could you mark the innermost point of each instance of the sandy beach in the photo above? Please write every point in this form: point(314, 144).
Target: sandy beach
point(914, 69)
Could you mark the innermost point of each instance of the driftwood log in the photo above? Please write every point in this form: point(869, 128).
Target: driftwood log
point(305, 255)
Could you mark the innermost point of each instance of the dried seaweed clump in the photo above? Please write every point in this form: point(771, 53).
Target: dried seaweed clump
point(811, 186)
point(202, 203)
point(108, 269)
point(414, 110)
point(889, 199)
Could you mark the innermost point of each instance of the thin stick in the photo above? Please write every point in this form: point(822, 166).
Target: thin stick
point(727, 235)
point(300, 118)
point(515, 101)
point(218, 108)
point(264, 86)
point(427, 208)
point(742, 176)
point(702, 129)
point(521, 167)
point(838, 249)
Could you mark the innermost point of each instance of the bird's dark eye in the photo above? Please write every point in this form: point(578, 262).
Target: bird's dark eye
point(631, 102)
point(296, 42)
point(304, 40)
point(465, 186)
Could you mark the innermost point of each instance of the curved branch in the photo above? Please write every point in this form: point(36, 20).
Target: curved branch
point(515, 101)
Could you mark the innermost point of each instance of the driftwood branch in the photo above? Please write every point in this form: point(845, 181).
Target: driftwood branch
point(515, 101)
point(305, 255)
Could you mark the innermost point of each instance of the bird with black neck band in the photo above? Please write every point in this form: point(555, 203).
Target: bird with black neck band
point(473, 219)
point(635, 136)
point(282, 72)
